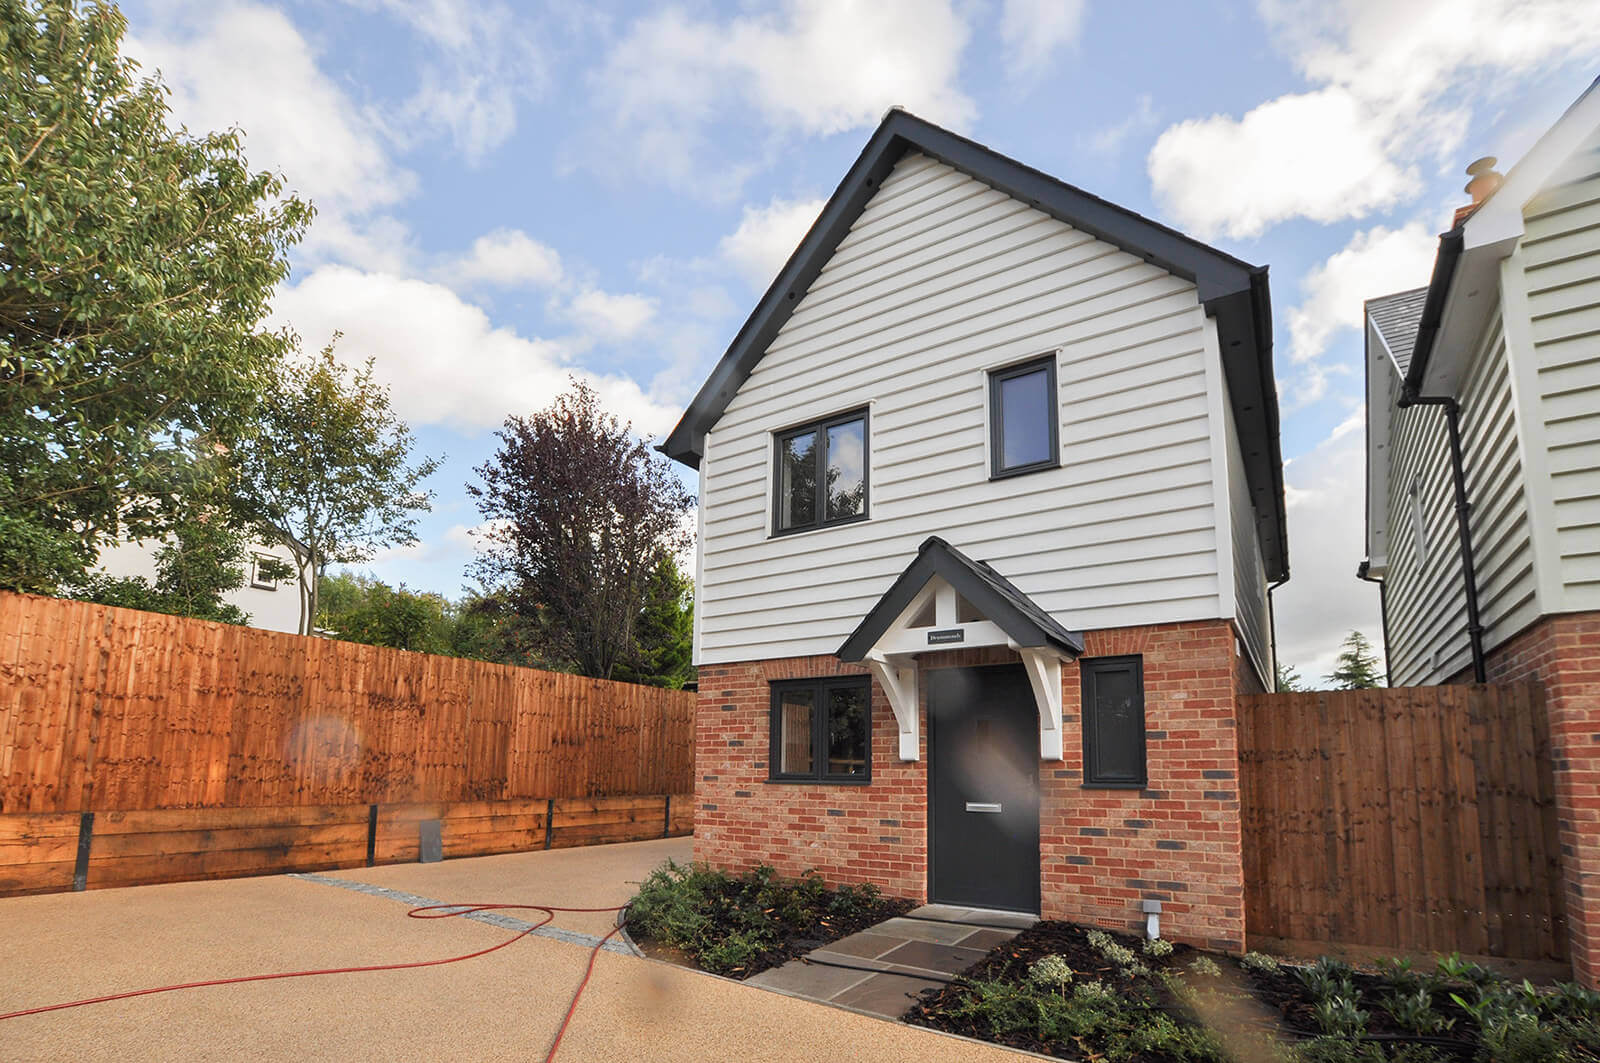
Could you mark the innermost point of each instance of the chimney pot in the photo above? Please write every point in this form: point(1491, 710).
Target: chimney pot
point(1485, 179)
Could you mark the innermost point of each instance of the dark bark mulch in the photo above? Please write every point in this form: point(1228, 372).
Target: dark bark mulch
point(825, 930)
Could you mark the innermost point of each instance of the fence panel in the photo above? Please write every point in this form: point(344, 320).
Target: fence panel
point(1413, 818)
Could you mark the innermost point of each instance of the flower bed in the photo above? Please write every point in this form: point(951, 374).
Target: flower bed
point(740, 925)
point(1075, 993)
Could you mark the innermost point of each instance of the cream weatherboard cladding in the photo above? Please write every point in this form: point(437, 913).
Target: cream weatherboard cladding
point(1560, 260)
point(941, 279)
point(1426, 603)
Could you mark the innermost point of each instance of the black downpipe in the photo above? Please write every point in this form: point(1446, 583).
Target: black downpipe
point(1452, 412)
point(1272, 625)
point(1363, 572)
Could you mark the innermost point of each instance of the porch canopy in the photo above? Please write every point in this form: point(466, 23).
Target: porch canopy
point(946, 600)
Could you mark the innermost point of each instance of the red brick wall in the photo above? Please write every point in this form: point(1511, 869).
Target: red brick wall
point(1101, 851)
point(1564, 653)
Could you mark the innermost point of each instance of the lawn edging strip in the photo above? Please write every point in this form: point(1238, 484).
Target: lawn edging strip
point(494, 919)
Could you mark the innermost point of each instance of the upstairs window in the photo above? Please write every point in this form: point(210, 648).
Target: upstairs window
point(1113, 722)
point(820, 473)
point(1022, 418)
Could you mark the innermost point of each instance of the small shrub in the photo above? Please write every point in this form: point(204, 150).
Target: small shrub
point(1259, 962)
point(1573, 1001)
point(1327, 978)
point(1094, 992)
point(1157, 947)
point(1052, 972)
point(1205, 967)
point(1098, 940)
point(1414, 1011)
point(733, 953)
point(1339, 1017)
point(1518, 1037)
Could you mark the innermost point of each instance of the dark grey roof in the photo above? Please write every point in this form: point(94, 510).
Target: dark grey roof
point(1397, 317)
point(1234, 293)
point(989, 592)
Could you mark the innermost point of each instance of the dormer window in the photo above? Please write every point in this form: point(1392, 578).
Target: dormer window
point(1022, 418)
point(820, 473)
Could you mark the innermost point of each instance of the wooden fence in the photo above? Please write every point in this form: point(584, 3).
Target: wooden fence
point(1414, 818)
point(206, 749)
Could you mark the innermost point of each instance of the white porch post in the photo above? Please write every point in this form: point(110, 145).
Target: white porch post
point(898, 677)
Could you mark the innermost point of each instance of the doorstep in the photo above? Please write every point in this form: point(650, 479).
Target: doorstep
point(882, 970)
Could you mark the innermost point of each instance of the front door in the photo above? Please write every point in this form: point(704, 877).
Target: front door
point(983, 788)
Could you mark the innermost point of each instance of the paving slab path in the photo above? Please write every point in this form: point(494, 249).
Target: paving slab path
point(882, 969)
point(504, 1006)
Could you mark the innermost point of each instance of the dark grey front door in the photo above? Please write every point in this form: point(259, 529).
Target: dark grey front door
point(983, 788)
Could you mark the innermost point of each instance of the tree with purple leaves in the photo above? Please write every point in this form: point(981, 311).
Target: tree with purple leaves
point(581, 515)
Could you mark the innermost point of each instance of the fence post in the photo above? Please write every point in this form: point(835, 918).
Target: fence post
point(372, 835)
point(549, 819)
point(80, 870)
point(666, 817)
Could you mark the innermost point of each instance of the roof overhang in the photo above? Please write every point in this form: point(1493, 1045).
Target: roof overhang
point(921, 612)
point(1464, 290)
point(1233, 292)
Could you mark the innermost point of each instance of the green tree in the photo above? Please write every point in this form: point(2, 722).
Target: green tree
point(1357, 665)
point(135, 269)
point(1289, 679)
point(329, 473)
point(364, 609)
point(664, 634)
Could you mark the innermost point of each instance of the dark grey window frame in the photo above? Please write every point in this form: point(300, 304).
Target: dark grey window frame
point(819, 726)
point(1047, 362)
point(821, 427)
point(1089, 669)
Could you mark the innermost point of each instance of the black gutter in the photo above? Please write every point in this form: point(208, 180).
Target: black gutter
point(1444, 271)
point(1364, 573)
point(1272, 626)
point(1452, 411)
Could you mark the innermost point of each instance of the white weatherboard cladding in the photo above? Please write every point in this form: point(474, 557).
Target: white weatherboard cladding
point(942, 279)
point(1560, 254)
point(1426, 599)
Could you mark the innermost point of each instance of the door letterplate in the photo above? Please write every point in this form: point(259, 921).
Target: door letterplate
point(983, 806)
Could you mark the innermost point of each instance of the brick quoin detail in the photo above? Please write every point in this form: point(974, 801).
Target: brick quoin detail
point(1563, 652)
point(1101, 851)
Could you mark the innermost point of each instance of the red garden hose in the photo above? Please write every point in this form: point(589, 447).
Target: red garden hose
point(431, 911)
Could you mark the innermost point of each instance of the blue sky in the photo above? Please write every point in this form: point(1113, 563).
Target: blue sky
point(508, 194)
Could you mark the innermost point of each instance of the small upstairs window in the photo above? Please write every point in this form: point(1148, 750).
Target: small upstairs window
point(820, 473)
point(1022, 418)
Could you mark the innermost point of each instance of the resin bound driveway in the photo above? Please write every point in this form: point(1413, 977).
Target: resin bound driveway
point(506, 1005)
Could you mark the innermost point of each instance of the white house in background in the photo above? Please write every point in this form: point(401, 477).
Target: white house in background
point(273, 605)
point(1502, 349)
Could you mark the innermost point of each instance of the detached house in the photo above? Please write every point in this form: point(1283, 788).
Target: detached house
point(1483, 464)
point(991, 506)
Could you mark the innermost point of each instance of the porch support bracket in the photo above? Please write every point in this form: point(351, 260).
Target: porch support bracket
point(1044, 675)
point(898, 677)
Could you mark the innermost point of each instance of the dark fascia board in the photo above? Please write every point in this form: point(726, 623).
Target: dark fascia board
point(1444, 272)
point(1234, 292)
point(989, 592)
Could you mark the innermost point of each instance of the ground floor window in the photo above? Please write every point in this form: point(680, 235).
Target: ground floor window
point(1113, 721)
point(821, 730)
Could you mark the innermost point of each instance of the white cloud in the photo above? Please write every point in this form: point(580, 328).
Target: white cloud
point(442, 358)
point(1034, 29)
point(483, 60)
point(245, 65)
point(767, 236)
point(1318, 155)
point(610, 316)
point(1395, 85)
point(1323, 600)
point(507, 258)
point(1109, 141)
point(1375, 262)
point(813, 68)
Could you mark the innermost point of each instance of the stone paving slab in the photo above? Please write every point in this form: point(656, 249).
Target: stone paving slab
point(881, 970)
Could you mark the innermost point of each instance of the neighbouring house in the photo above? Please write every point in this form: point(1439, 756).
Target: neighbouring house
point(272, 604)
point(991, 507)
point(1483, 465)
